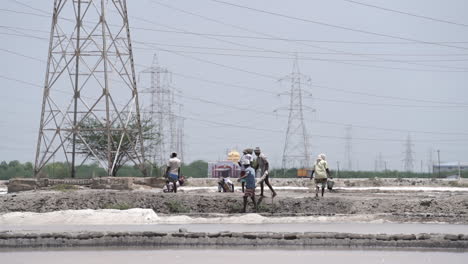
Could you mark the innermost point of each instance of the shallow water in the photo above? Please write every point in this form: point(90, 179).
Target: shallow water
point(208, 256)
point(361, 228)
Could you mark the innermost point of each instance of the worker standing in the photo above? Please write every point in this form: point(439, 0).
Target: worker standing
point(249, 177)
point(173, 170)
point(321, 172)
point(246, 155)
point(261, 168)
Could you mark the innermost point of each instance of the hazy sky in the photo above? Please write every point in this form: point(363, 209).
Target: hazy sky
point(386, 87)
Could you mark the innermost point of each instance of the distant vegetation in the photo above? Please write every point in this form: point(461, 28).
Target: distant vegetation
point(196, 169)
point(290, 173)
point(59, 170)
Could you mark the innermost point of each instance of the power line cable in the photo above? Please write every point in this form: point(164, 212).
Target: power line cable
point(324, 48)
point(406, 13)
point(335, 26)
point(450, 103)
point(291, 57)
point(340, 62)
point(247, 126)
point(263, 75)
point(258, 56)
point(262, 51)
point(319, 121)
point(257, 37)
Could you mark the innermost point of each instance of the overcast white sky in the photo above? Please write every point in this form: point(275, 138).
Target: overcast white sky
point(433, 77)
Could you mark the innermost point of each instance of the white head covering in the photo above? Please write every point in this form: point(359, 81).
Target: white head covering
point(322, 156)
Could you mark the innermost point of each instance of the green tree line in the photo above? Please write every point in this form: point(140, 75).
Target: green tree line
point(291, 173)
point(196, 169)
point(60, 170)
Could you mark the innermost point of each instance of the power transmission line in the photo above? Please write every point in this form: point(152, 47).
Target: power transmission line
point(256, 37)
point(408, 162)
point(160, 110)
point(348, 148)
point(267, 113)
point(223, 125)
point(449, 104)
point(270, 35)
point(72, 51)
point(337, 51)
point(316, 59)
point(407, 13)
point(335, 26)
point(296, 151)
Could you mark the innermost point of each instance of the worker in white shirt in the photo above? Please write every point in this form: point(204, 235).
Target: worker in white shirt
point(173, 170)
point(261, 168)
point(322, 173)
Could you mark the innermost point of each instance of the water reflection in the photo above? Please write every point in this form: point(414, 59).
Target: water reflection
point(208, 256)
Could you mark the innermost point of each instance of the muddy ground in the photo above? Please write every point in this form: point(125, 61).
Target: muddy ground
point(400, 206)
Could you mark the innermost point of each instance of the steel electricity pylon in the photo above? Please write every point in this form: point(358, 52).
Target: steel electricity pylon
point(408, 161)
point(180, 134)
point(90, 76)
point(348, 147)
point(161, 111)
point(296, 152)
point(379, 162)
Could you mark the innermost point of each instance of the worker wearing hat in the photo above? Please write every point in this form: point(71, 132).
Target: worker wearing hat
point(321, 172)
point(261, 167)
point(246, 155)
point(249, 177)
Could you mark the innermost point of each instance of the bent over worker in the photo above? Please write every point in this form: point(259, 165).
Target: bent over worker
point(321, 172)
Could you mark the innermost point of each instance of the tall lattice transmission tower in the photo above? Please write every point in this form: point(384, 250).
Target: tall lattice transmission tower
point(161, 110)
point(379, 162)
point(408, 161)
point(296, 152)
point(180, 134)
point(90, 79)
point(430, 160)
point(348, 147)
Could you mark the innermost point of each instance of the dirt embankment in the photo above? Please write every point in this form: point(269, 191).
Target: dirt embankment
point(233, 239)
point(401, 206)
point(372, 182)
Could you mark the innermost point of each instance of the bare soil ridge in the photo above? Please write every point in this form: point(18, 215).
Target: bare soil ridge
point(400, 206)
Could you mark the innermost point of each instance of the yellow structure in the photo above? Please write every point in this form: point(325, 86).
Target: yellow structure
point(302, 173)
point(233, 156)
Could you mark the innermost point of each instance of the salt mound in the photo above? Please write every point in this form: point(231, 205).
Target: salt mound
point(81, 217)
point(139, 216)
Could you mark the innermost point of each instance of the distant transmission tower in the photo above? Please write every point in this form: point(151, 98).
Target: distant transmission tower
point(180, 134)
point(348, 148)
point(161, 112)
point(409, 160)
point(90, 77)
point(379, 163)
point(430, 161)
point(296, 153)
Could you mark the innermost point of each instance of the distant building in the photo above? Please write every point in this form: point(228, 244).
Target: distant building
point(450, 166)
point(223, 169)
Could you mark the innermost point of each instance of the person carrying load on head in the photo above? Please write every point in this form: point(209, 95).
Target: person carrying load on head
point(261, 168)
point(246, 156)
point(322, 173)
point(173, 170)
point(249, 177)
